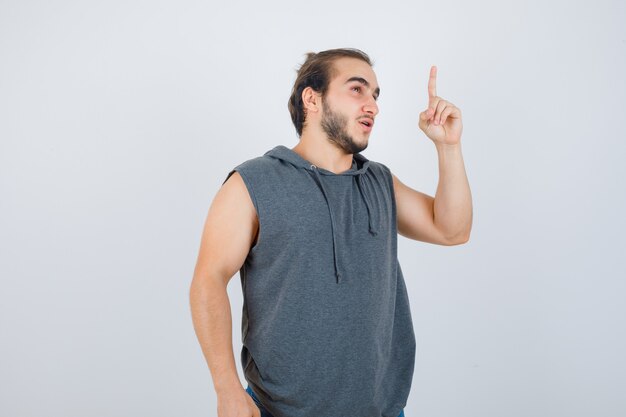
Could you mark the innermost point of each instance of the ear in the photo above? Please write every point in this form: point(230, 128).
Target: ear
point(311, 100)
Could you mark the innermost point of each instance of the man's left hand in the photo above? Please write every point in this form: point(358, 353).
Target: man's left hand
point(441, 121)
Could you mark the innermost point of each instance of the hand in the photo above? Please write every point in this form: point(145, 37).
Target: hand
point(441, 121)
point(237, 404)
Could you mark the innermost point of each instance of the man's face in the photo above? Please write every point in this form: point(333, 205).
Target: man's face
point(350, 105)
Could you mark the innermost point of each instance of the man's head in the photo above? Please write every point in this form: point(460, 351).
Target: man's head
point(336, 91)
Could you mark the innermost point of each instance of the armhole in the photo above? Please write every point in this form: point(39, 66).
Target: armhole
point(250, 189)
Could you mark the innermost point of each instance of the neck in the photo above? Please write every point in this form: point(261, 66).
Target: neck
point(323, 153)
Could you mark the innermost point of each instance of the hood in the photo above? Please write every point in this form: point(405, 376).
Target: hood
point(360, 165)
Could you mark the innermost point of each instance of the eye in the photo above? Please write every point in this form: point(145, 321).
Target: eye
point(357, 88)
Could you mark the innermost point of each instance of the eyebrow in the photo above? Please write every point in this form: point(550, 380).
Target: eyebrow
point(364, 82)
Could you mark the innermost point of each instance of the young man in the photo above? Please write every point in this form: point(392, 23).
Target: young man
point(326, 326)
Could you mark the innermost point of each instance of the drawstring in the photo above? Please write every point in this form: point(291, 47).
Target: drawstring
point(332, 218)
point(368, 204)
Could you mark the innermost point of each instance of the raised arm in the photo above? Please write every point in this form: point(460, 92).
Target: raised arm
point(445, 219)
point(416, 217)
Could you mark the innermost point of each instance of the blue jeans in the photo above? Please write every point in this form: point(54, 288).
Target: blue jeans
point(265, 413)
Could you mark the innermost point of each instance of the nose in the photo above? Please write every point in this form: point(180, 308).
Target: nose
point(371, 107)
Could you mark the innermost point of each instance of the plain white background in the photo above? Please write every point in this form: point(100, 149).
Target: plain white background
point(119, 121)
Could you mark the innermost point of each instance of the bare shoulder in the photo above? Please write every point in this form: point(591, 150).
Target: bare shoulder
point(229, 231)
point(234, 188)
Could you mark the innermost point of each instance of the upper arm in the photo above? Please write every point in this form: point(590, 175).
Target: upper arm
point(415, 215)
point(229, 232)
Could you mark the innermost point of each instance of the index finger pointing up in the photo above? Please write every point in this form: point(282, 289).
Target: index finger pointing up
point(432, 81)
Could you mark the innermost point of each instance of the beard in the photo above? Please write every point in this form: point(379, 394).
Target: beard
point(334, 124)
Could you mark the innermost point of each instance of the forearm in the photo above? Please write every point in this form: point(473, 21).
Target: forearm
point(212, 320)
point(453, 199)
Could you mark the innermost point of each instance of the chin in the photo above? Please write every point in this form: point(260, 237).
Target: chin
point(360, 146)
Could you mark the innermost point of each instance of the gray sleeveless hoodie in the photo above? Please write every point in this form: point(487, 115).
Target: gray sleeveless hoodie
point(326, 322)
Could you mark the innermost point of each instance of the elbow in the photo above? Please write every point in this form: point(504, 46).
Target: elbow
point(464, 240)
point(462, 236)
point(459, 239)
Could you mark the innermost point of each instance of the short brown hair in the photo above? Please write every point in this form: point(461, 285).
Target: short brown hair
point(316, 72)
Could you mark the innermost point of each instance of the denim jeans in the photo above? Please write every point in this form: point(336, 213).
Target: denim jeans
point(265, 413)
